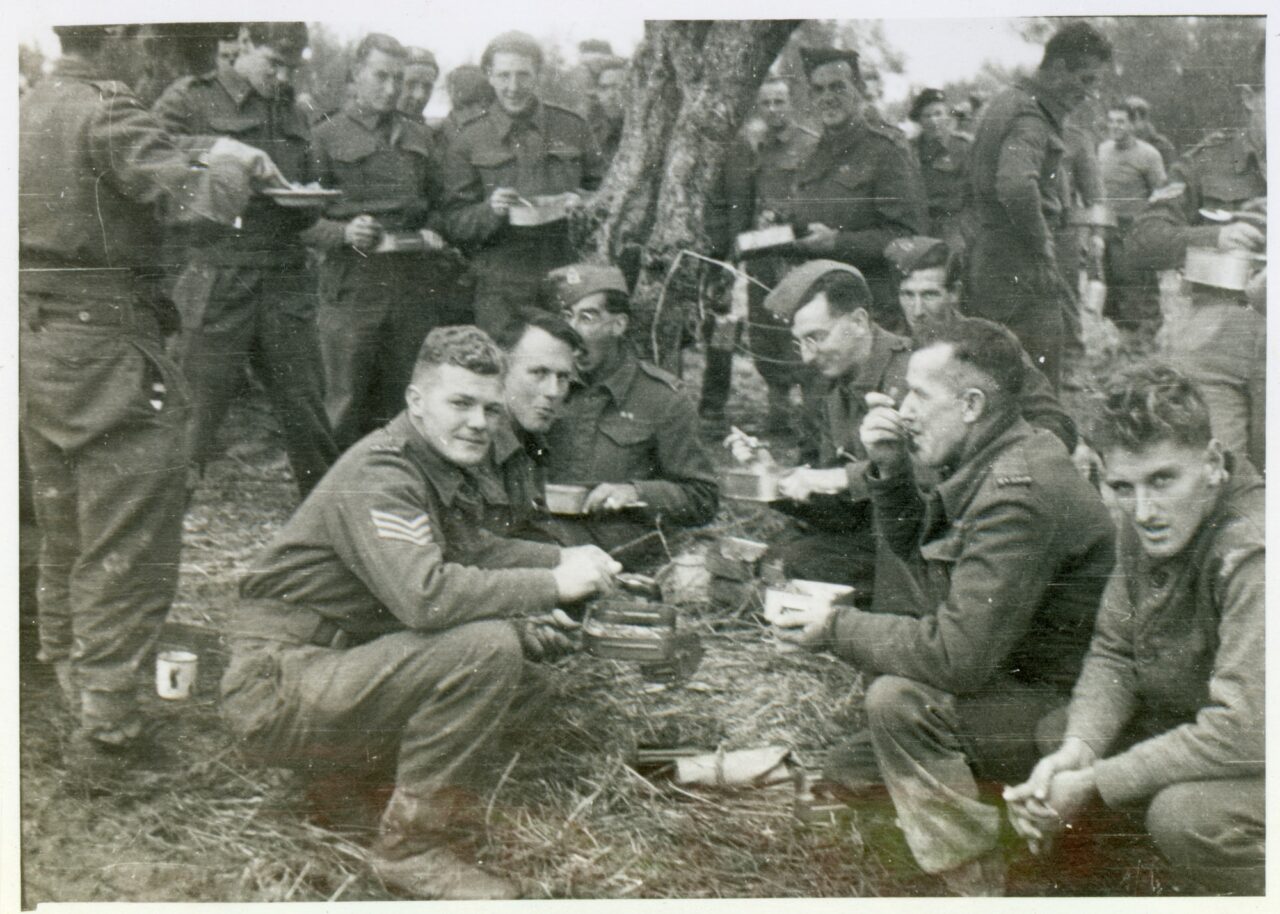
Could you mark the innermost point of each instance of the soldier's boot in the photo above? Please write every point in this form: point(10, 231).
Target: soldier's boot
point(414, 855)
point(980, 878)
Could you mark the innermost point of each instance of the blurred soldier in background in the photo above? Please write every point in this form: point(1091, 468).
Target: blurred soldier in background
point(469, 94)
point(943, 156)
point(608, 107)
point(1145, 129)
point(504, 159)
point(248, 297)
point(103, 410)
point(420, 74)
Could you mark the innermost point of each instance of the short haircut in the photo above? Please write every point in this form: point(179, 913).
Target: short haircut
point(776, 81)
point(1077, 45)
point(377, 41)
point(512, 43)
point(421, 57)
point(467, 86)
point(939, 255)
point(991, 351)
point(1123, 107)
point(289, 38)
point(845, 293)
point(1147, 404)
point(513, 331)
point(1138, 106)
point(462, 345)
point(612, 63)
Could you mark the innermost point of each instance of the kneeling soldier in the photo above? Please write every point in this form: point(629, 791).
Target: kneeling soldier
point(384, 621)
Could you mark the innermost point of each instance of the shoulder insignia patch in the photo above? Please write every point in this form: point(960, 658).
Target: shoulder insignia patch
point(1013, 480)
point(659, 374)
point(387, 447)
point(415, 530)
point(1168, 192)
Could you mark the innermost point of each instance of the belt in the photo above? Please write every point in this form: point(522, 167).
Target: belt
point(278, 620)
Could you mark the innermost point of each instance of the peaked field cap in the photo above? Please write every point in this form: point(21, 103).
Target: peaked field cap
point(915, 253)
point(788, 295)
point(926, 98)
point(566, 286)
point(812, 58)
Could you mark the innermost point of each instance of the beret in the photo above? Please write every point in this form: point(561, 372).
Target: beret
point(788, 295)
point(812, 58)
point(926, 98)
point(915, 253)
point(566, 286)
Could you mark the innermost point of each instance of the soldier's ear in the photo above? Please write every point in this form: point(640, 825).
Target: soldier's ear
point(624, 322)
point(1215, 463)
point(973, 404)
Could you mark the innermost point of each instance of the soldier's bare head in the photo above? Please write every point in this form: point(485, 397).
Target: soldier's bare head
point(512, 62)
point(1162, 467)
point(962, 381)
point(420, 75)
point(541, 349)
point(270, 53)
point(116, 49)
point(774, 102)
point(1074, 61)
point(455, 398)
point(377, 72)
point(835, 84)
point(833, 325)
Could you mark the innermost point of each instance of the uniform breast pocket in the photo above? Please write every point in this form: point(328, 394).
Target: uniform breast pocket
point(235, 125)
point(940, 558)
point(564, 170)
point(626, 448)
point(497, 168)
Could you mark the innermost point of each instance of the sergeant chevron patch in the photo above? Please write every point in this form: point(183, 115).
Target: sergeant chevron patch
point(393, 527)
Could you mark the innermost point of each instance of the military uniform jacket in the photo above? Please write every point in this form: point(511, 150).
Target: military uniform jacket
point(1223, 172)
point(1011, 552)
point(222, 103)
point(944, 170)
point(95, 170)
point(386, 165)
point(545, 150)
point(518, 463)
point(1179, 651)
point(1015, 162)
point(636, 426)
point(393, 538)
point(862, 181)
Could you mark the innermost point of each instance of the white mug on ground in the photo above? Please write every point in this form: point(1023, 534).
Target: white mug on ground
point(175, 674)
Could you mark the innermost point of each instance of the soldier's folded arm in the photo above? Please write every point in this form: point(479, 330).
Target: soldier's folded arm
point(687, 492)
point(386, 536)
point(1017, 183)
point(466, 217)
point(995, 585)
point(1165, 228)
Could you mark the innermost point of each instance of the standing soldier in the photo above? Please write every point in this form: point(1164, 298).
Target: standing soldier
point(608, 107)
point(757, 180)
point(505, 158)
point(249, 295)
point(1145, 129)
point(1017, 152)
point(386, 279)
point(1222, 344)
point(943, 155)
point(859, 188)
point(102, 409)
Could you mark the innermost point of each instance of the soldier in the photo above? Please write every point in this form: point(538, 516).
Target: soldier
point(386, 279)
point(1145, 129)
point(228, 51)
point(541, 350)
point(758, 177)
point(248, 297)
point(102, 408)
point(627, 431)
point(1167, 716)
point(608, 107)
point(520, 149)
point(1010, 552)
point(1131, 172)
point(385, 625)
point(1217, 198)
point(469, 94)
point(859, 188)
point(943, 156)
point(420, 74)
point(580, 82)
point(1017, 152)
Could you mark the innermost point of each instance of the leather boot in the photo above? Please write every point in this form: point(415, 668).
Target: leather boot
point(412, 854)
point(980, 878)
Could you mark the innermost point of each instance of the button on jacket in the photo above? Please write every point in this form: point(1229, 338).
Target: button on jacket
point(392, 538)
point(1012, 551)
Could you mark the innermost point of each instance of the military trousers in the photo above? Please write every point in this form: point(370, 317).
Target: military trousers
point(374, 313)
point(428, 704)
point(510, 270)
point(1022, 292)
point(103, 416)
point(235, 316)
point(940, 755)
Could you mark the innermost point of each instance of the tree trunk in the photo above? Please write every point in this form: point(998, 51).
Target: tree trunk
point(691, 85)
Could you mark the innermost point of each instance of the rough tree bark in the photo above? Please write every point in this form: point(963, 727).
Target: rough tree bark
point(691, 85)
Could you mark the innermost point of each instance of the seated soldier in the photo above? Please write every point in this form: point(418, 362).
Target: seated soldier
point(384, 623)
point(541, 350)
point(1167, 716)
point(1010, 551)
point(628, 431)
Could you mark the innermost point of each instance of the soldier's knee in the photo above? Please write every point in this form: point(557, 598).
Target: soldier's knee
point(1182, 824)
point(895, 704)
point(493, 648)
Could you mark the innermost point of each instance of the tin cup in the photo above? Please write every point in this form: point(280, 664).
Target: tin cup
point(176, 674)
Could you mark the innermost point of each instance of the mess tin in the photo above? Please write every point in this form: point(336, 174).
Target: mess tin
point(1098, 215)
point(755, 483)
point(765, 238)
point(1221, 269)
point(798, 595)
point(735, 558)
point(630, 630)
point(565, 499)
point(302, 197)
point(540, 210)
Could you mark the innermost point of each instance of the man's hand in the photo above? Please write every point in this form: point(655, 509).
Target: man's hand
point(363, 232)
point(253, 162)
point(746, 448)
point(802, 483)
point(573, 201)
point(583, 572)
point(432, 240)
point(610, 496)
point(502, 199)
point(1032, 811)
point(547, 637)
point(884, 435)
point(821, 239)
point(807, 627)
point(1241, 236)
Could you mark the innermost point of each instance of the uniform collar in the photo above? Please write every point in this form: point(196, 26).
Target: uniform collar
point(780, 137)
point(534, 115)
point(957, 490)
point(369, 120)
point(446, 476)
point(1241, 477)
point(618, 382)
point(870, 374)
point(508, 440)
point(1049, 101)
point(235, 85)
